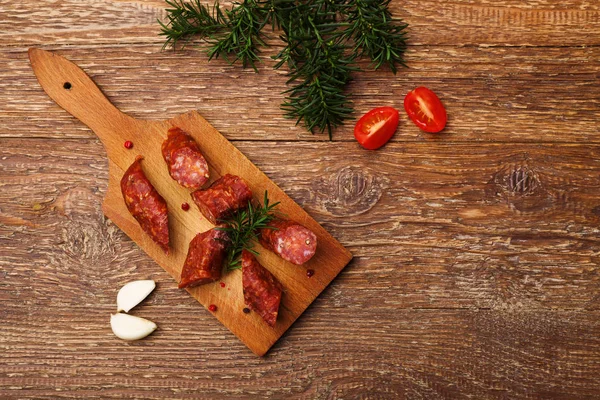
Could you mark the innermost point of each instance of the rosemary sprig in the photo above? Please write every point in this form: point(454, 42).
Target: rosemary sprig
point(319, 71)
point(186, 20)
point(243, 227)
point(323, 38)
point(237, 31)
point(243, 37)
point(374, 32)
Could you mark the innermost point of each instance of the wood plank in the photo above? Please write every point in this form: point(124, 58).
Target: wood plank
point(424, 223)
point(487, 22)
point(72, 273)
point(492, 94)
point(486, 198)
point(474, 201)
point(434, 354)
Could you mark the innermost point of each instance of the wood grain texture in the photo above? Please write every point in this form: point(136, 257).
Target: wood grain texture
point(476, 273)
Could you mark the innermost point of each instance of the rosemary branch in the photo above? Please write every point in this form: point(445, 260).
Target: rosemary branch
point(319, 71)
point(323, 39)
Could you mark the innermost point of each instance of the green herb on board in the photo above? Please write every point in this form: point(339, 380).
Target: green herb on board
point(243, 228)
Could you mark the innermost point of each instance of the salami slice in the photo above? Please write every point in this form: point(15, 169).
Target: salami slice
point(262, 291)
point(184, 159)
point(145, 204)
point(204, 261)
point(290, 240)
point(225, 196)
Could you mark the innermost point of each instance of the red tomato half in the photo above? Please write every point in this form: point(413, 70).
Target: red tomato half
point(376, 127)
point(425, 109)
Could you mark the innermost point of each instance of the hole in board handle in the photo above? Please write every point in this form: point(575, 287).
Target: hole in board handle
point(67, 85)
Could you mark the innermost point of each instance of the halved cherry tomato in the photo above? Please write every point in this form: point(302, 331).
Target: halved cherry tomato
point(376, 127)
point(425, 109)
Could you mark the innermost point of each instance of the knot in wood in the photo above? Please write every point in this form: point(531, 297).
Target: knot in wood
point(351, 191)
point(522, 181)
point(522, 189)
point(85, 235)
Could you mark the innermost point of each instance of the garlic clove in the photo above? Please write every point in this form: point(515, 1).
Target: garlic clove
point(133, 293)
point(128, 327)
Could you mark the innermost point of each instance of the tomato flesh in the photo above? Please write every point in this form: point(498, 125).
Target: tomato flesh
point(426, 110)
point(376, 127)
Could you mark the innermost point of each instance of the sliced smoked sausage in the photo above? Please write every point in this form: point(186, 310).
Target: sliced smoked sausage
point(204, 261)
point(185, 161)
point(290, 240)
point(225, 196)
point(145, 204)
point(262, 291)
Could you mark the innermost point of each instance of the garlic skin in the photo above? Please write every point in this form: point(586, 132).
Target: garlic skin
point(133, 293)
point(128, 327)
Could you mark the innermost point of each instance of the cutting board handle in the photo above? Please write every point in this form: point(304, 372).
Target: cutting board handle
point(74, 90)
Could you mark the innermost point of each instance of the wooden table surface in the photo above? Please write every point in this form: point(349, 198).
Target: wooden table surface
point(476, 270)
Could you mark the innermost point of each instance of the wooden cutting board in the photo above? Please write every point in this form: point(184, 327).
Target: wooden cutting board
point(74, 91)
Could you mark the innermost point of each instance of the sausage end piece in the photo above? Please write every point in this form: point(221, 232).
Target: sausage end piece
point(290, 240)
point(145, 204)
point(262, 291)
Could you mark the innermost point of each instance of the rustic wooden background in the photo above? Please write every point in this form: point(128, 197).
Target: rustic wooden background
point(476, 270)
